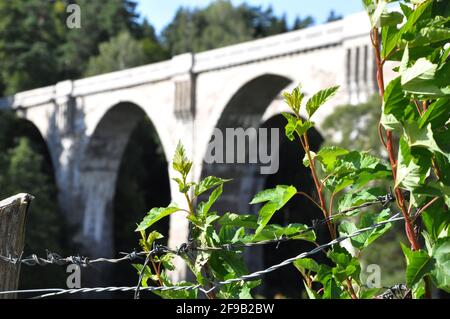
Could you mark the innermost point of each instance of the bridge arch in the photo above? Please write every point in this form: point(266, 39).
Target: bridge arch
point(248, 108)
point(100, 168)
point(245, 110)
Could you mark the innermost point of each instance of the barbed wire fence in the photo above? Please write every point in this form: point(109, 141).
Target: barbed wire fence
point(56, 259)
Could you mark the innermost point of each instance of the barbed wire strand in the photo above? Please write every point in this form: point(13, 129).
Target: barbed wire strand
point(56, 259)
point(220, 283)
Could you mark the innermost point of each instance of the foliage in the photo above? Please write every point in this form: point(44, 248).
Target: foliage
point(122, 52)
point(37, 49)
point(221, 24)
point(210, 230)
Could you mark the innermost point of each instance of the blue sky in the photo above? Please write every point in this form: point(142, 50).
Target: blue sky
point(161, 12)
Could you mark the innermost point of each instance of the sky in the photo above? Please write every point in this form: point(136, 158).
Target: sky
point(161, 12)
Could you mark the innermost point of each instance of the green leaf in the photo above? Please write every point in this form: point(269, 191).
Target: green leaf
point(180, 161)
point(423, 137)
point(436, 219)
point(294, 100)
point(155, 215)
point(395, 101)
point(419, 78)
point(363, 240)
point(309, 264)
point(356, 169)
point(437, 114)
point(411, 171)
point(441, 272)
point(390, 18)
point(327, 157)
point(418, 265)
point(429, 35)
point(276, 198)
point(312, 154)
point(178, 294)
point(346, 264)
point(393, 40)
point(376, 12)
point(320, 98)
point(311, 293)
point(296, 125)
point(235, 220)
point(292, 231)
point(208, 183)
point(353, 199)
point(204, 207)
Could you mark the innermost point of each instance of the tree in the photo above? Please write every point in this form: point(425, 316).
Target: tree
point(300, 23)
point(122, 52)
point(28, 45)
point(332, 16)
point(220, 24)
point(100, 21)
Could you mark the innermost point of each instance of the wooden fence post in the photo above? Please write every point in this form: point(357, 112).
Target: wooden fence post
point(13, 213)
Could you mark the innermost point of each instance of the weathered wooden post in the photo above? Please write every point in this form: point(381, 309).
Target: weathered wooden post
point(13, 213)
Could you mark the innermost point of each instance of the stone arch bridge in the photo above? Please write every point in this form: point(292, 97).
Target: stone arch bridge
point(86, 123)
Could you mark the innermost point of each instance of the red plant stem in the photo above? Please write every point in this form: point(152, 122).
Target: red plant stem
point(409, 228)
point(398, 194)
point(317, 183)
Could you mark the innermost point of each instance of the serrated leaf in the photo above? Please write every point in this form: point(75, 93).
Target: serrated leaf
point(411, 171)
point(365, 239)
point(441, 272)
point(180, 161)
point(292, 231)
point(294, 99)
point(305, 161)
point(437, 114)
point(390, 18)
point(208, 183)
point(276, 198)
point(320, 98)
point(235, 220)
point(204, 207)
point(418, 265)
point(327, 157)
point(155, 215)
point(308, 264)
point(354, 199)
point(296, 125)
point(395, 101)
point(423, 137)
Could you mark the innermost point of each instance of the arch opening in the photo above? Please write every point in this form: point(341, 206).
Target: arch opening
point(245, 110)
point(288, 283)
point(124, 174)
point(26, 167)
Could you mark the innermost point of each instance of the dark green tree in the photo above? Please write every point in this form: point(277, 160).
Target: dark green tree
point(100, 21)
point(220, 24)
point(28, 41)
point(302, 23)
point(333, 16)
point(122, 52)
